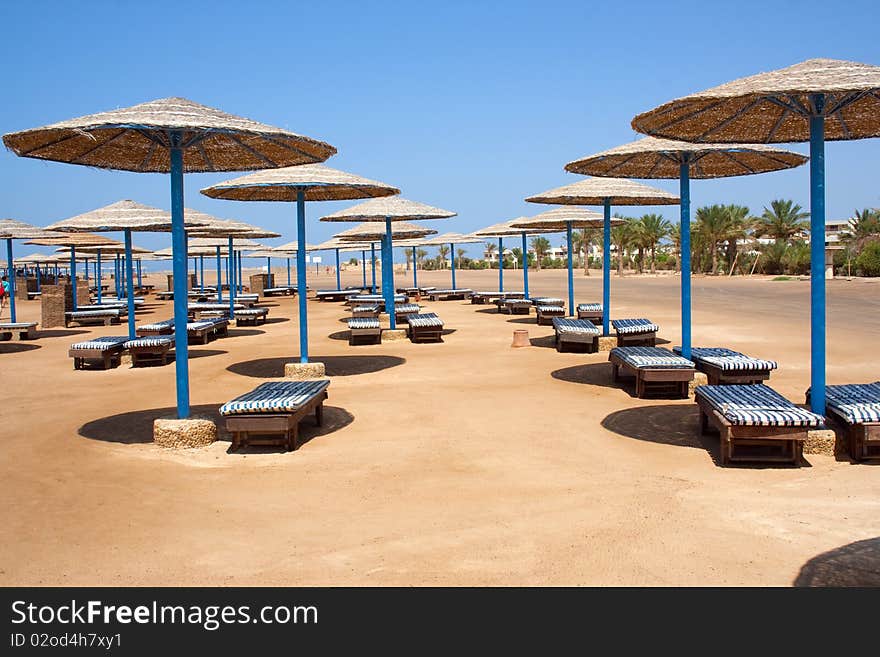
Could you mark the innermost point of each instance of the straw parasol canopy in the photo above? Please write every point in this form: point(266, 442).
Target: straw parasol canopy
point(104, 248)
point(342, 245)
point(561, 218)
point(506, 229)
point(211, 226)
point(240, 242)
point(122, 215)
point(451, 238)
point(74, 239)
point(596, 191)
point(399, 230)
point(651, 157)
point(37, 259)
point(394, 208)
point(775, 107)
point(138, 138)
point(316, 181)
point(12, 229)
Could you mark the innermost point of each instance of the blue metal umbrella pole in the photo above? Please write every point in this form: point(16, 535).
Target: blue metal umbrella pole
point(201, 272)
point(606, 268)
point(219, 276)
point(240, 278)
point(39, 286)
point(98, 274)
point(269, 271)
point(140, 279)
point(389, 272)
point(338, 273)
point(10, 274)
point(817, 255)
point(72, 274)
point(179, 271)
point(129, 284)
point(415, 269)
point(87, 272)
point(301, 275)
point(685, 240)
point(288, 272)
point(373, 266)
point(231, 278)
point(452, 261)
point(568, 242)
point(525, 250)
point(364, 269)
point(501, 264)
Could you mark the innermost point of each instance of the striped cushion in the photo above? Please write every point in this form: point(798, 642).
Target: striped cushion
point(102, 343)
point(367, 298)
point(550, 310)
point(589, 307)
point(425, 290)
point(517, 302)
point(374, 308)
point(406, 308)
point(648, 357)
point(453, 291)
point(728, 360)
point(253, 312)
point(109, 312)
point(277, 289)
point(630, 326)
point(363, 323)
point(150, 342)
point(157, 326)
point(17, 325)
point(120, 302)
point(275, 397)
point(426, 320)
point(547, 301)
point(215, 306)
point(563, 325)
point(757, 405)
point(202, 324)
point(855, 402)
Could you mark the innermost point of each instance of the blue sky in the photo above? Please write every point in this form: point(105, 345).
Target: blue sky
point(470, 106)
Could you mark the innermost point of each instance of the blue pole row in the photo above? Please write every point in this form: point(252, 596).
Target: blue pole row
point(301, 275)
point(817, 255)
point(685, 228)
point(569, 249)
point(606, 268)
point(525, 250)
point(179, 269)
point(10, 274)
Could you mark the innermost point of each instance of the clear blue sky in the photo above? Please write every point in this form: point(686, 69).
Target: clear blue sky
point(470, 106)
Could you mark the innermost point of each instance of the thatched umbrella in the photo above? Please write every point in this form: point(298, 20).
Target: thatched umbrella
point(125, 216)
point(651, 157)
point(566, 219)
point(506, 229)
point(300, 184)
point(605, 192)
point(235, 236)
point(413, 244)
point(390, 210)
point(339, 246)
point(451, 239)
point(36, 259)
point(11, 229)
point(112, 247)
point(170, 135)
point(812, 101)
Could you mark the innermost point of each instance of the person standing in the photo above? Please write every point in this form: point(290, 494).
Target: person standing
point(4, 293)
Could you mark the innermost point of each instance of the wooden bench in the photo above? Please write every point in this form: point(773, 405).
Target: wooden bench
point(404, 310)
point(544, 314)
point(755, 423)
point(656, 371)
point(427, 327)
point(515, 306)
point(107, 350)
point(576, 334)
point(25, 330)
point(450, 294)
point(151, 350)
point(83, 317)
point(366, 310)
point(590, 311)
point(251, 316)
point(856, 407)
point(274, 409)
point(364, 330)
point(635, 332)
point(727, 367)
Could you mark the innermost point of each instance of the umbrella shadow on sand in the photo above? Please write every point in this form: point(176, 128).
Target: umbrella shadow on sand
point(273, 368)
point(854, 564)
point(60, 333)
point(593, 374)
point(672, 424)
point(17, 347)
point(136, 427)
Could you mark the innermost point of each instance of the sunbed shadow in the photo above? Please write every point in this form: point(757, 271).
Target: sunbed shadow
point(668, 424)
point(854, 564)
point(594, 374)
point(547, 341)
point(277, 320)
point(447, 331)
point(17, 347)
point(136, 427)
point(659, 341)
point(491, 310)
point(335, 418)
point(201, 353)
point(339, 335)
point(59, 333)
point(523, 320)
point(273, 368)
point(237, 332)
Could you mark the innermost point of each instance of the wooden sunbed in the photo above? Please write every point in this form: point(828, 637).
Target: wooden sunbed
point(157, 349)
point(25, 330)
point(165, 327)
point(251, 316)
point(656, 371)
point(274, 409)
point(449, 294)
point(481, 297)
point(548, 301)
point(576, 334)
point(105, 316)
point(165, 295)
point(334, 295)
point(856, 407)
point(198, 311)
point(590, 311)
point(34, 295)
point(364, 330)
point(544, 314)
point(515, 306)
point(205, 330)
point(725, 366)
point(635, 332)
point(284, 290)
point(106, 350)
point(404, 310)
point(756, 423)
point(426, 327)
point(366, 310)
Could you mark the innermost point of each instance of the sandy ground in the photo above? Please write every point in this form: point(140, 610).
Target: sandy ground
point(461, 463)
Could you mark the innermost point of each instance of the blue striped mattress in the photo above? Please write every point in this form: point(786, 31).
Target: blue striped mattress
point(407, 309)
point(275, 397)
point(103, 343)
point(253, 312)
point(757, 405)
point(447, 291)
point(16, 325)
point(550, 309)
point(589, 307)
point(109, 312)
point(164, 341)
point(728, 360)
point(650, 357)
point(548, 301)
point(634, 326)
point(426, 320)
point(157, 326)
point(363, 323)
point(564, 325)
point(372, 308)
point(855, 402)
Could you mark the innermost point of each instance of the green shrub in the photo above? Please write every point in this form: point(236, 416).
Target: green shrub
point(868, 261)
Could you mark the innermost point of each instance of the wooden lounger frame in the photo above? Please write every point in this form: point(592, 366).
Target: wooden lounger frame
point(109, 357)
point(718, 376)
point(161, 354)
point(29, 332)
point(546, 319)
point(647, 339)
point(672, 381)
point(251, 320)
point(105, 320)
point(425, 333)
point(862, 438)
point(748, 443)
point(585, 342)
point(591, 315)
point(371, 335)
point(245, 426)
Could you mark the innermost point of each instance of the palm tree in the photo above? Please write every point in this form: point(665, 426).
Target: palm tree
point(460, 252)
point(621, 237)
point(408, 254)
point(782, 221)
point(863, 227)
point(580, 244)
point(443, 250)
point(675, 238)
point(738, 228)
point(637, 240)
point(713, 225)
point(420, 257)
point(540, 245)
point(491, 247)
point(652, 229)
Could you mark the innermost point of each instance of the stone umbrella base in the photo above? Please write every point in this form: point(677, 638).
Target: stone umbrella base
point(192, 432)
point(304, 371)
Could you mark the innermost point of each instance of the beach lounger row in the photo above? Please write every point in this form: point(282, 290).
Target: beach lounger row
point(284, 290)
point(725, 366)
point(449, 294)
point(656, 371)
point(25, 330)
point(105, 316)
point(274, 409)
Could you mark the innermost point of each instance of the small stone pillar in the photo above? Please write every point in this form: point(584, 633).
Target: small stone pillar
point(21, 287)
point(259, 282)
point(54, 302)
point(190, 282)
